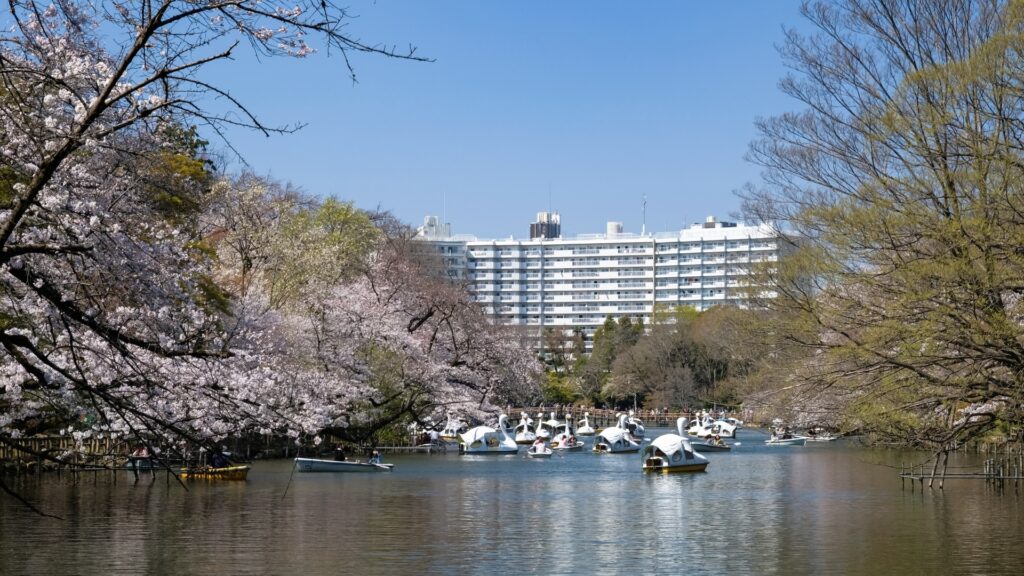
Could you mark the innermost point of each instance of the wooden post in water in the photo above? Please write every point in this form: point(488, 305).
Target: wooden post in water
point(945, 463)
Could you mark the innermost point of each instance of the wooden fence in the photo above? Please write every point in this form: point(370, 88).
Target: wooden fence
point(62, 447)
point(601, 417)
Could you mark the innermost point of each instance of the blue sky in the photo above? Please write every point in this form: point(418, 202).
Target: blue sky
point(590, 104)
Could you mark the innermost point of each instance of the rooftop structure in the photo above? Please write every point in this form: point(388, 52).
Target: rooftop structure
point(548, 225)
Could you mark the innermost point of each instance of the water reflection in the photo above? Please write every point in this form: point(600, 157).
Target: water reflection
point(766, 510)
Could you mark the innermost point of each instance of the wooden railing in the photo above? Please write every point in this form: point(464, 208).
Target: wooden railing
point(601, 417)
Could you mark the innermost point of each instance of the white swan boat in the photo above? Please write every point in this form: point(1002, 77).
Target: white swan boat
point(524, 430)
point(709, 427)
point(565, 439)
point(551, 426)
point(543, 431)
point(487, 440)
point(673, 453)
point(701, 428)
point(635, 426)
point(616, 439)
point(317, 465)
point(723, 428)
point(584, 428)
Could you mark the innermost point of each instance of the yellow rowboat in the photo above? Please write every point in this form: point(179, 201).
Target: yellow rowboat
point(207, 473)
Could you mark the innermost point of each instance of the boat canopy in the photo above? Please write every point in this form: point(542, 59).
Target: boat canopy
point(669, 444)
point(478, 433)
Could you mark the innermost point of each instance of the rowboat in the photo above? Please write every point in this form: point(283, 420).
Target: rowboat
point(819, 434)
point(316, 465)
point(568, 445)
point(207, 473)
point(791, 441)
point(539, 451)
point(781, 436)
point(710, 447)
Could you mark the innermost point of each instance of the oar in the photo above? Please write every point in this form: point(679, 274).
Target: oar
point(289, 484)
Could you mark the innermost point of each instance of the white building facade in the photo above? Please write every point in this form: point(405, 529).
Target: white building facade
point(574, 284)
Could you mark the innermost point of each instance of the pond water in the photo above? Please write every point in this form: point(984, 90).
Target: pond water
point(833, 508)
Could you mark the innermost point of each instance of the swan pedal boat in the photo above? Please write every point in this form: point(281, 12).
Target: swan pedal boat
point(616, 439)
point(487, 440)
point(317, 465)
point(673, 453)
point(584, 428)
point(207, 473)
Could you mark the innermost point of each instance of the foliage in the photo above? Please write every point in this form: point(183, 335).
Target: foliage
point(558, 389)
point(142, 296)
point(610, 340)
point(681, 360)
point(903, 178)
point(363, 337)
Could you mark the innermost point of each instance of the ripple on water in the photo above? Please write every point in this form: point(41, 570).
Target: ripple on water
point(764, 510)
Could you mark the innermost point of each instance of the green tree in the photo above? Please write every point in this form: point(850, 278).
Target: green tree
point(903, 177)
point(558, 389)
point(318, 246)
point(610, 339)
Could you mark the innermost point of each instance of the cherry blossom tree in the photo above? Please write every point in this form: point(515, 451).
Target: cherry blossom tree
point(362, 330)
point(109, 314)
point(142, 297)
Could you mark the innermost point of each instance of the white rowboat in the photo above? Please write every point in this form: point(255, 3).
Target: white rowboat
point(316, 465)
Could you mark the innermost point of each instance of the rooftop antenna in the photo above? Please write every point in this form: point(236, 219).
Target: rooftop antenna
point(643, 229)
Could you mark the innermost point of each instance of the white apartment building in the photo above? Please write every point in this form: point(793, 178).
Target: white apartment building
point(573, 284)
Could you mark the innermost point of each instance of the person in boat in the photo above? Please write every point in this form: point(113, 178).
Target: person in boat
point(572, 441)
point(140, 454)
point(219, 460)
point(339, 453)
point(715, 440)
point(374, 457)
point(538, 445)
